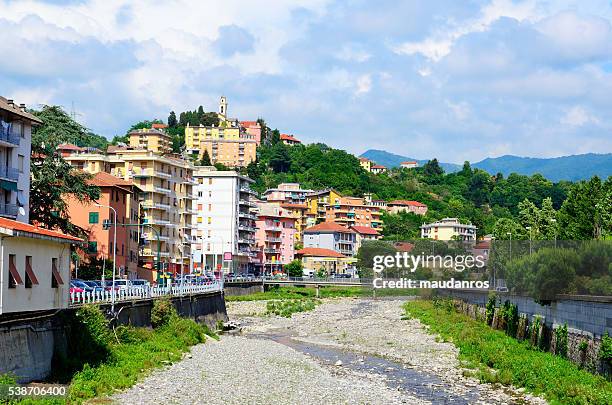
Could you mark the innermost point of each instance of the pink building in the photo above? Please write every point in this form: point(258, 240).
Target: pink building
point(252, 128)
point(415, 207)
point(274, 236)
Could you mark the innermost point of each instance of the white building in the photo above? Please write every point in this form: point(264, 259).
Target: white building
point(409, 165)
point(332, 236)
point(225, 220)
point(15, 146)
point(448, 229)
point(34, 269)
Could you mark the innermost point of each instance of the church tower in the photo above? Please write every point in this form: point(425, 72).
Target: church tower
point(223, 106)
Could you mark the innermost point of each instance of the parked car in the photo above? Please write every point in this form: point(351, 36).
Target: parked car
point(76, 283)
point(94, 285)
point(140, 283)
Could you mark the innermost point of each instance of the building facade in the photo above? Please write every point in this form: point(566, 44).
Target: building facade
point(289, 140)
point(449, 229)
point(378, 169)
point(317, 203)
point(365, 163)
point(154, 139)
point(354, 211)
point(275, 236)
point(253, 129)
point(224, 221)
point(15, 150)
point(398, 206)
point(364, 233)
point(298, 212)
point(122, 196)
point(409, 165)
point(332, 236)
point(288, 193)
point(34, 266)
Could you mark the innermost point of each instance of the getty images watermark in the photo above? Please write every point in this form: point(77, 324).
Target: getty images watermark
point(407, 262)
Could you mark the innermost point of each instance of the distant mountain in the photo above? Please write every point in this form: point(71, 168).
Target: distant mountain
point(573, 168)
point(392, 160)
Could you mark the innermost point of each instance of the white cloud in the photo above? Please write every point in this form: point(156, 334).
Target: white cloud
point(577, 116)
point(364, 84)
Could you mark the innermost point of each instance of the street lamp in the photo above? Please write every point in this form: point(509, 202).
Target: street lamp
point(114, 254)
point(529, 229)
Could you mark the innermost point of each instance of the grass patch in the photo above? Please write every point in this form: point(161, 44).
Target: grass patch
point(505, 360)
point(125, 353)
point(287, 308)
point(293, 293)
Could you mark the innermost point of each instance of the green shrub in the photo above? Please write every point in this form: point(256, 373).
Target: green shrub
point(491, 308)
point(162, 312)
point(605, 351)
point(511, 318)
point(561, 341)
point(287, 308)
point(514, 362)
point(583, 346)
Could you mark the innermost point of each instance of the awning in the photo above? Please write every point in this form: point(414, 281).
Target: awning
point(8, 185)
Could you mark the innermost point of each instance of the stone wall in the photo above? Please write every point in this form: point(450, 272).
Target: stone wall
point(244, 288)
point(29, 342)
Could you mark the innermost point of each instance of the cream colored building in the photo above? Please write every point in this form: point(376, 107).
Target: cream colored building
point(34, 269)
point(154, 139)
point(228, 143)
point(167, 183)
point(448, 229)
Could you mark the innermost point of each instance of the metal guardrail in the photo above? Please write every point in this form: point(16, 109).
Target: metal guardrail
point(141, 293)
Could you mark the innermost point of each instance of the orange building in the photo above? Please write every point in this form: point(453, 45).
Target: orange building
point(351, 211)
point(120, 195)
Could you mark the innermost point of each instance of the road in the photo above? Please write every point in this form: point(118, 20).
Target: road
point(345, 351)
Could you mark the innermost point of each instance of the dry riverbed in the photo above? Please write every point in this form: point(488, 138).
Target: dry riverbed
point(345, 351)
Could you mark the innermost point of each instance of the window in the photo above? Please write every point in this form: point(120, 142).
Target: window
point(30, 277)
point(199, 220)
point(94, 217)
point(200, 207)
point(92, 247)
point(209, 207)
point(210, 180)
point(20, 160)
point(56, 279)
point(14, 277)
point(209, 220)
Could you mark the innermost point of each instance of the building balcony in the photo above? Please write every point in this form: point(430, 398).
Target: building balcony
point(147, 205)
point(156, 221)
point(247, 215)
point(151, 237)
point(152, 252)
point(273, 240)
point(247, 203)
point(9, 210)
point(248, 190)
point(8, 137)
point(9, 173)
point(246, 241)
point(271, 250)
point(246, 228)
point(188, 226)
point(162, 190)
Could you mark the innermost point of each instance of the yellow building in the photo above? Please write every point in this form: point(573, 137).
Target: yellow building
point(166, 205)
point(297, 211)
point(365, 163)
point(154, 139)
point(448, 229)
point(228, 143)
point(317, 203)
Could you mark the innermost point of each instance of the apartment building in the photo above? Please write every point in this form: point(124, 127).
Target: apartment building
point(298, 212)
point(378, 169)
point(332, 236)
point(224, 223)
point(364, 233)
point(275, 236)
point(122, 196)
point(15, 147)
point(228, 143)
point(397, 206)
point(351, 211)
point(317, 203)
point(154, 139)
point(288, 193)
point(252, 129)
point(166, 201)
point(449, 229)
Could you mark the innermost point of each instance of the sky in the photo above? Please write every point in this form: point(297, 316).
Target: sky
point(456, 80)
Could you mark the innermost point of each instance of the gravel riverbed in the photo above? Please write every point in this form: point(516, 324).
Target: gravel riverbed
point(351, 351)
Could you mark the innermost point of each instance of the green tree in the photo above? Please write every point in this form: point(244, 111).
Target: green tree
point(585, 214)
point(280, 161)
point(146, 124)
point(433, 171)
point(295, 268)
point(205, 159)
point(172, 121)
point(365, 257)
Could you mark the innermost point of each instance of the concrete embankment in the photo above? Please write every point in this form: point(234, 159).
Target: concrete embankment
point(29, 342)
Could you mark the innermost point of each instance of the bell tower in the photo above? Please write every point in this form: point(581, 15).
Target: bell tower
point(223, 106)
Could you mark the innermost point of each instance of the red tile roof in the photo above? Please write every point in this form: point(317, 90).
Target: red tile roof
point(311, 251)
point(69, 146)
point(365, 230)
point(287, 137)
point(9, 224)
point(159, 126)
point(378, 167)
point(403, 246)
point(408, 163)
point(326, 227)
point(103, 179)
point(362, 159)
point(249, 123)
point(407, 202)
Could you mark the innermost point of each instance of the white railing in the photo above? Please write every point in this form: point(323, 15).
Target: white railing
point(139, 293)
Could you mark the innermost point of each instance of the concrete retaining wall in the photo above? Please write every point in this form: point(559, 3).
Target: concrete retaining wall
point(588, 314)
point(28, 344)
point(243, 288)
